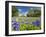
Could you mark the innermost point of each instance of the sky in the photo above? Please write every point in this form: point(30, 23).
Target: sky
point(23, 10)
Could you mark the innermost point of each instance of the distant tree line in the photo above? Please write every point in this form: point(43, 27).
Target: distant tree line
point(34, 13)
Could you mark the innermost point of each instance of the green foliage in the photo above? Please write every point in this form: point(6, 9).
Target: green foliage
point(23, 27)
point(28, 27)
point(14, 11)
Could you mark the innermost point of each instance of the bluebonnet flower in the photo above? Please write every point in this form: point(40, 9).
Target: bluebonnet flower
point(15, 25)
point(37, 23)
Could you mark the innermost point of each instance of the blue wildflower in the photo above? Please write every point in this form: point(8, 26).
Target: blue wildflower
point(15, 25)
point(37, 23)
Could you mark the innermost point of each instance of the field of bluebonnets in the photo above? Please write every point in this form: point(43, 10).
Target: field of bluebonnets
point(26, 18)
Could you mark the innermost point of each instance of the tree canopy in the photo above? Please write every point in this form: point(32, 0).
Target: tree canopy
point(14, 11)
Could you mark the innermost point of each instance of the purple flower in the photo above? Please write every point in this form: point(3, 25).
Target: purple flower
point(15, 25)
point(37, 23)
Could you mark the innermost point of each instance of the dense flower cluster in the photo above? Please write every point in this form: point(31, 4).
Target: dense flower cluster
point(15, 25)
point(37, 23)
